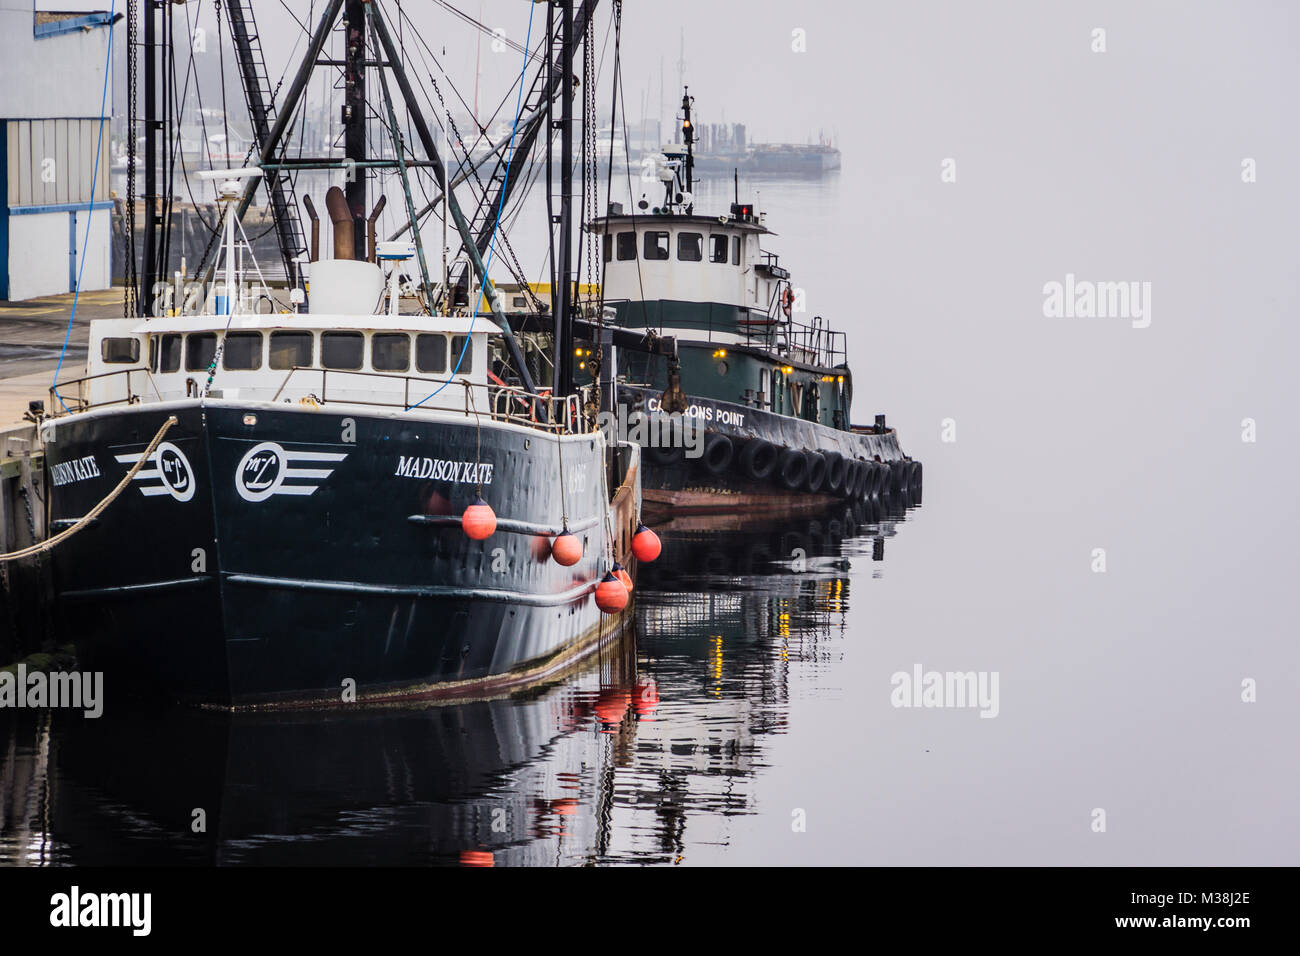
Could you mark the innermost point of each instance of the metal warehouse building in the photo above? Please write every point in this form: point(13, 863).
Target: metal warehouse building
point(54, 56)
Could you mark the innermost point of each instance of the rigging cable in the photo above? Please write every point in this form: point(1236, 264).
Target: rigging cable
point(492, 243)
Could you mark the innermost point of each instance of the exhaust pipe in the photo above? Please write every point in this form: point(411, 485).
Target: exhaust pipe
point(336, 205)
point(315, 227)
point(370, 225)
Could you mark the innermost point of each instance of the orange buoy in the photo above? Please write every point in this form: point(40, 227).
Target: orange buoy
point(479, 520)
point(620, 572)
point(645, 544)
point(611, 596)
point(477, 858)
point(566, 549)
point(611, 707)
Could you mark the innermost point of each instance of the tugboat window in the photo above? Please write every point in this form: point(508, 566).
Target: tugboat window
point(342, 350)
point(243, 351)
point(466, 363)
point(735, 250)
point(290, 349)
point(200, 347)
point(170, 354)
point(120, 351)
point(607, 247)
point(718, 248)
point(431, 352)
point(626, 246)
point(690, 246)
point(390, 351)
point(656, 245)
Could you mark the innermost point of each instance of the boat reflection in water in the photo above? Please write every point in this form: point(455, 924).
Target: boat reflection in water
point(647, 751)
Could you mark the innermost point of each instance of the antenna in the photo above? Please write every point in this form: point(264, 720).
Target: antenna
point(229, 192)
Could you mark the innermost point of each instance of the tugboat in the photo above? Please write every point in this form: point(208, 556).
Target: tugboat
point(771, 394)
point(342, 502)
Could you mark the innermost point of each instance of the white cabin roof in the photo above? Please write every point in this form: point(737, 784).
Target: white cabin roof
point(455, 324)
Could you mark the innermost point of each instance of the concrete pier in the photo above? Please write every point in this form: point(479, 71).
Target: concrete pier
point(31, 337)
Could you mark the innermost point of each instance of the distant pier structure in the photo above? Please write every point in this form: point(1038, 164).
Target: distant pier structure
point(55, 54)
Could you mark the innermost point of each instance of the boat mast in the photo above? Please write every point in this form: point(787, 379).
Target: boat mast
point(563, 384)
point(688, 137)
point(152, 124)
point(354, 116)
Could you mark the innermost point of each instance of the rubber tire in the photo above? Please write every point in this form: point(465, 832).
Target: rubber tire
point(718, 453)
point(836, 472)
point(852, 478)
point(793, 469)
point(816, 478)
point(758, 459)
point(659, 455)
point(914, 482)
point(879, 480)
point(896, 477)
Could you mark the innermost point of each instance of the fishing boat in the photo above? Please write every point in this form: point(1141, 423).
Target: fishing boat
point(346, 500)
point(771, 394)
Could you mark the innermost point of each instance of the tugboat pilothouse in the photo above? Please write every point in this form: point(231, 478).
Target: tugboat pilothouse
point(772, 394)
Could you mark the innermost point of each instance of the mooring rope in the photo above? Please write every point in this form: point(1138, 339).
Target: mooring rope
point(95, 511)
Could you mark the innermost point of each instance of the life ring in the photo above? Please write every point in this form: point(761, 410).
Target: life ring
point(793, 469)
point(787, 301)
point(836, 472)
point(816, 472)
point(758, 459)
point(718, 452)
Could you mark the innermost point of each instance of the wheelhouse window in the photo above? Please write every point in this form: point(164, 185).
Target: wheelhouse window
point(200, 347)
point(735, 250)
point(656, 246)
point(690, 246)
point(243, 351)
point(718, 248)
point(431, 352)
point(119, 351)
point(390, 351)
point(290, 349)
point(626, 246)
point(459, 342)
point(607, 247)
point(342, 350)
point(169, 359)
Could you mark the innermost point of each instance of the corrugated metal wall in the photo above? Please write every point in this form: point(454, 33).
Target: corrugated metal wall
point(52, 162)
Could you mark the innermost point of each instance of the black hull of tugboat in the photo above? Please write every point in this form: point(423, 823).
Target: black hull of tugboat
point(721, 481)
point(282, 555)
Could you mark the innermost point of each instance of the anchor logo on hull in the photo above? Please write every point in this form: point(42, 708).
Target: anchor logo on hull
point(170, 473)
point(267, 469)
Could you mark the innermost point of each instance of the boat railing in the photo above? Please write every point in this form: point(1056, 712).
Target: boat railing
point(70, 395)
point(496, 401)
